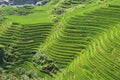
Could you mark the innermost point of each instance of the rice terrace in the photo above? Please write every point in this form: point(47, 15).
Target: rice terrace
point(59, 39)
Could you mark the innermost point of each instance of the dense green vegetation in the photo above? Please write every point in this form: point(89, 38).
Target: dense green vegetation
point(62, 40)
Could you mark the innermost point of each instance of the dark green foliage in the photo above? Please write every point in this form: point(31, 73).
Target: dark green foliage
point(7, 11)
point(1, 55)
point(25, 10)
point(47, 65)
point(21, 72)
point(58, 11)
point(114, 6)
point(1, 70)
point(50, 68)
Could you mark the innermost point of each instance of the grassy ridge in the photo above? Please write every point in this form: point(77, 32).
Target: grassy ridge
point(81, 44)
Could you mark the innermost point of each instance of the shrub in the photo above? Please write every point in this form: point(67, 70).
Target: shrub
point(58, 11)
point(47, 65)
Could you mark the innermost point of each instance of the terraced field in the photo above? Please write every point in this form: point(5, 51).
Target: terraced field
point(97, 58)
point(80, 46)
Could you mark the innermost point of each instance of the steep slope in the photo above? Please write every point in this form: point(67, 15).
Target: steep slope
point(100, 61)
point(22, 41)
point(77, 35)
point(82, 44)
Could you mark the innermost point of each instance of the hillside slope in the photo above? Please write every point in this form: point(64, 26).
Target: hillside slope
point(62, 40)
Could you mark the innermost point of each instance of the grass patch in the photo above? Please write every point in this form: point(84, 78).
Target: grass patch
point(39, 15)
point(36, 17)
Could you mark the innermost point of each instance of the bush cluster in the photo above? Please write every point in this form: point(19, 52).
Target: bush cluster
point(25, 10)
